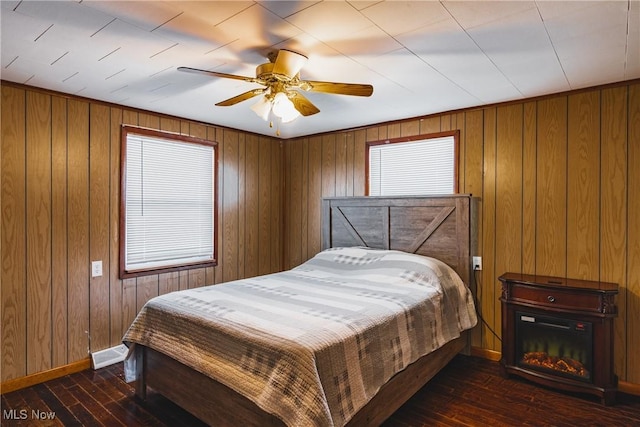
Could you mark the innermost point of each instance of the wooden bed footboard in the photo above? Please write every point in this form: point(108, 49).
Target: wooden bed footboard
point(217, 404)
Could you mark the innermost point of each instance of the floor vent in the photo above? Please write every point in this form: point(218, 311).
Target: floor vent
point(109, 356)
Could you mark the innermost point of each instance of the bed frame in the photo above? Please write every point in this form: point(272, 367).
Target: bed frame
point(433, 226)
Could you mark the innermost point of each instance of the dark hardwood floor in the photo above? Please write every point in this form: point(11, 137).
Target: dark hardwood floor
point(468, 392)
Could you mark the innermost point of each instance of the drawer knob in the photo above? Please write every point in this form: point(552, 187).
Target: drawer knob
point(551, 298)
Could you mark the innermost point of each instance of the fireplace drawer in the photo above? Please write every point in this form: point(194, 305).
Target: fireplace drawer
point(556, 298)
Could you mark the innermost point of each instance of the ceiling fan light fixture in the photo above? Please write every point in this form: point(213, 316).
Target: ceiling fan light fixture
point(284, 108)
point(262, 108)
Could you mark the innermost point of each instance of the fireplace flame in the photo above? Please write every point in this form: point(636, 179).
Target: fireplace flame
point(562, 364)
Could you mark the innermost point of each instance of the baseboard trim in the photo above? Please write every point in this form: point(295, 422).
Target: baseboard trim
point(484, 353)
point(629, 388)
point(40, 377)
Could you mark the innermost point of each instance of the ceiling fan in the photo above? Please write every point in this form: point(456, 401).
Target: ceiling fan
point(281, 78)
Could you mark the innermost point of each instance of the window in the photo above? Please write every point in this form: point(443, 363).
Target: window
point(421, 165)
point(168, 193)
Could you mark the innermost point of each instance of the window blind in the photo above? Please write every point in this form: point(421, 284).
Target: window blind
point(412, 168)
point(169, 203)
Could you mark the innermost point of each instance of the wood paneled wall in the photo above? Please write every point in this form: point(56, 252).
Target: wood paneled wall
point(559, 185)
point(558, 180)
point(60, 207)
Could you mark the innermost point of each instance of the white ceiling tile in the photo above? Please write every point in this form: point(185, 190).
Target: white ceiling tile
point(285, 9)
point(133, 42)
point(450, 51)
point(329, 21)
point(470, 14)
point(405, 16)
point(362, 4)
point(370, 40)
point(18, 27)
point(558, 9)
point(519, 46)
point(597, 17)
point(255, 30)
point(143, 14)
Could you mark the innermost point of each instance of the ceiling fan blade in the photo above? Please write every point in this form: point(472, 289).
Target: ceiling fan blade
point(354, 89)
point(242, 97)
point(216, 74)
point(302, 104)
point(288, 63)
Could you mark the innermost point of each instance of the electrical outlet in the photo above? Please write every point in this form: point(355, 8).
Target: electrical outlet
point(477, 263)
point(96, 268)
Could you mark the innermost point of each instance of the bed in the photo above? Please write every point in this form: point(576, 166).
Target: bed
point(233, 360)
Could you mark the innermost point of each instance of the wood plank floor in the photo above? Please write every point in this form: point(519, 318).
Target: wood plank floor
point(468, 392)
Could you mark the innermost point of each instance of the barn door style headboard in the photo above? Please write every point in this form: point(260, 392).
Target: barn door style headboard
point(436, 226)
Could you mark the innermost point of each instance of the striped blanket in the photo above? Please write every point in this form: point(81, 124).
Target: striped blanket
point(312, 345)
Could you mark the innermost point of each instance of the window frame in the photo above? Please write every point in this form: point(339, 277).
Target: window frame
point(417, 138)
point(173, 137)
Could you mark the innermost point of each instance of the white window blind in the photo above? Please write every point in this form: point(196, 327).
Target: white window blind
point(421, 167)
point(169, 203)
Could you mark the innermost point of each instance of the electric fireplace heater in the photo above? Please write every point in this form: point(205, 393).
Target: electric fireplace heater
point(558, 332)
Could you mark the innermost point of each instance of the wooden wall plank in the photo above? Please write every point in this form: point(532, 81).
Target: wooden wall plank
point(99, 153)
point(38, 148)
point(242, 204)
point(473, 184)
point(341, 165)
point(304, 236)
point(410, 128)
point(197, 278)
point(277, 203)
point(296, 204)
point(631, 348)
point(508, 205)
point(78, 225)
point(59, 230)
point(583, 186)
point(230, 205)
point(613, 205)
point(349, 163)
point(314, 197)
point(529, 190)
point(359, 159)
point(254, 185)
point(394, 130)
point(147, 287)
point(429, 125)
point(263, 201)
point(328, 165)
point(551, 213)
point(487, 295)
point(116, 327)
point(14, 262)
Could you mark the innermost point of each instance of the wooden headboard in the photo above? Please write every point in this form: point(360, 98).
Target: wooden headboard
point(436, 226)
